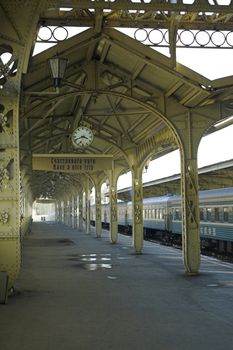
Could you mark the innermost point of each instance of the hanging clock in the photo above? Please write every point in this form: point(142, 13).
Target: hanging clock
point(82, 137)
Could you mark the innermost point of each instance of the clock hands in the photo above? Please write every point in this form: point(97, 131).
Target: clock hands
point(81, 137)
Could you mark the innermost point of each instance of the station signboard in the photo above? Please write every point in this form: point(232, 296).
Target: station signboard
point(72, 163)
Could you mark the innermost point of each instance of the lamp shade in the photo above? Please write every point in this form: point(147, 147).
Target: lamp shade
point(58, 68)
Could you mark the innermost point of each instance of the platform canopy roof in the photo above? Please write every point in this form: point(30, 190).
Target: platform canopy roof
point(116, 86)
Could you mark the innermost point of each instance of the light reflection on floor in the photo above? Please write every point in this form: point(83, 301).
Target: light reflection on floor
point(88, 259)
point(100, 261)
point(94, 267)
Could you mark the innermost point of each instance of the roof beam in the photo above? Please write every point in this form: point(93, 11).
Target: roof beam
point(157, 20)
point(80, 109)
point(50, 110)
point(153, 5)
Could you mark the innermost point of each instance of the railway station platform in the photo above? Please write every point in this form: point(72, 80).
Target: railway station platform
point(77, 292)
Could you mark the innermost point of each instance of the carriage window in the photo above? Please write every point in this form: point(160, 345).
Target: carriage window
point(176, 214)
point(160, 213)
point(201, 214)
point(225, 214)
point(208, 216)
point(216, 214)
point(205, 214)
point(180, 215)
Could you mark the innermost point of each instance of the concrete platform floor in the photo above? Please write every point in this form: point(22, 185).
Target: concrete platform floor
point(76, 292)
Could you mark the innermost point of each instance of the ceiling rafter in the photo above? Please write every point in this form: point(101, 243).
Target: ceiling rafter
point(51, 109)
point(132, 79)
point(114, 111)
point(109, 129)
point(144, 116)
point(135, 113)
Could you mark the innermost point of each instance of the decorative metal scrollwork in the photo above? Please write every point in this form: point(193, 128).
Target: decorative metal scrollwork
point(138, 213)
point(3, 120)
point(4, 178)
point(52, 35)
point(98, 213)
point(8, 63)
point(193, 192)
point(137, 190)
point(98, 206)
point(4, 217)
point(186, 38)
point(113, 213)
point(113, 204)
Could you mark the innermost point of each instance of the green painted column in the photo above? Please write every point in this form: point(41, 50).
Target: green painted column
point(190, 132)
point(65, 212)
point(88, 224)
point(10, 233)
point(98, 225)
point(59, 216)
point(72, 212)
point(190, 214)
point(57, 212)
point(113, 213)
point(68, 212)
point(137, 211)
point(80, 211)
point(75, 223)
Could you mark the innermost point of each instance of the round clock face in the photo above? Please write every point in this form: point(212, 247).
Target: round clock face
point(82, 136)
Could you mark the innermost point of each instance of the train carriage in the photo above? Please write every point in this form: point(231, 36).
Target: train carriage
point(162, 218)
